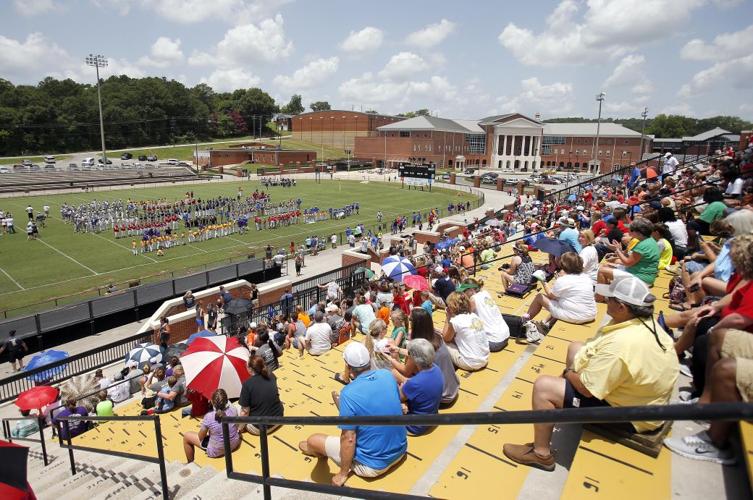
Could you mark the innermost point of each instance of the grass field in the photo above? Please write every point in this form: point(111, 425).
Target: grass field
point(62, 263)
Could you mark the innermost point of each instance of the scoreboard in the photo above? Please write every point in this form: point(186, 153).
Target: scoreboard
point(417, 175)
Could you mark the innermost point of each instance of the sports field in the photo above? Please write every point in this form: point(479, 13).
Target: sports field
point(62, 263)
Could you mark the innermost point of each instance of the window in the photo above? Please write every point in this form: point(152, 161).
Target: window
point(405, 133)
point(518, 149)
point(508, 148)
point(546, 149)
point(554, 139)
point(475, 143)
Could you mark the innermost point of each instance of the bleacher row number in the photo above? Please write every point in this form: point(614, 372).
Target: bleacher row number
point(591, 484)
point(517, 394)
point(462, 473)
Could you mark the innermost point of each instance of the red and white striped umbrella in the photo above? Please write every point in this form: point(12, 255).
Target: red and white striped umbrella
point(212, 363)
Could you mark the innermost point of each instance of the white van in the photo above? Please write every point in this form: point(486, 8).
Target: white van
point(172, 162)
point(49, 159)
point(88, 162)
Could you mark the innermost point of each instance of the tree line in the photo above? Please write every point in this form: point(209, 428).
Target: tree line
point(671, 126)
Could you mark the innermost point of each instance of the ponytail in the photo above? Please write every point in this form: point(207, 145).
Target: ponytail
point(259, 367)
point(219, 402)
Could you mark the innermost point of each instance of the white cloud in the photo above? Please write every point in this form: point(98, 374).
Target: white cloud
point(366, 40)
point(607, 29)
point(727, 4)
point(200, 58)
point(737, 73)
point(227, 80)
point(536, 97)
point(431, 35)
point(310, 75)
point(402, 66)
point(164, 52)
point(682, 108)
point(630, 72)
point(35, 7)
point(194, 11)
point(724, 46)
point(29, 59)
point(371, 91)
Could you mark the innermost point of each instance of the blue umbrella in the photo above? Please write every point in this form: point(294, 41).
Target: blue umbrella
point(144, 354)
point(203, 333)
point(572, 197)
point(553, 246)
point(441, 245)
point(46, 358)
point(395, 267)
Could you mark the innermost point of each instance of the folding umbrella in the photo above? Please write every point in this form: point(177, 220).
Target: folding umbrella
point(37, 397)
point(395, 267)
point(493, 223)
point(553, 246)
point(143, 354)
point(201, 334)
point(416, 282)
point(45, 358)
point(237, 306)
point(214, 363)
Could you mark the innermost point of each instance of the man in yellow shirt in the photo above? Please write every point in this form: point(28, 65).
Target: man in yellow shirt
point(630, 362)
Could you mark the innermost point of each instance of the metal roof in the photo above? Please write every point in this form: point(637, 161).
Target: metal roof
point(588, 129)
point(434, 124)
point(705, 136)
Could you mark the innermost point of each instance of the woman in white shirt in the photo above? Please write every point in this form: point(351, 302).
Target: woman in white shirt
point(464, 334)
point(497, 331)
point(571, 299)
point(677, 229)
point(589, 254)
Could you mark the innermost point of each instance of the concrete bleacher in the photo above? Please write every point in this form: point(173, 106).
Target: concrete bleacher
point(450, 462)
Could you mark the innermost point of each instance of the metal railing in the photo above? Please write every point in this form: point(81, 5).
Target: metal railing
point(10, 438)
point(64, 369)
point(714, 411)
point(159, 459)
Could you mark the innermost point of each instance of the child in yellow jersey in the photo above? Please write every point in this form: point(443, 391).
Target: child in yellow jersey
point(133, 247)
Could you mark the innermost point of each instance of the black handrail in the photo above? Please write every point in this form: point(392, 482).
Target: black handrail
point(714, 411)
point(9, 435)
point(159, 460)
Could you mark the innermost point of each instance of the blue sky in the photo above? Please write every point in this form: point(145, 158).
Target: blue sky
point(460, 60)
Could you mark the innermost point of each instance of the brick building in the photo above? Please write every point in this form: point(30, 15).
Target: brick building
point(266, 156)
point(705, 143)
point(336, 128)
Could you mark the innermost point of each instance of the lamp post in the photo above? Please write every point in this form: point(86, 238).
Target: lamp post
point(99, 61)
point(600, 97)
point(643, 128)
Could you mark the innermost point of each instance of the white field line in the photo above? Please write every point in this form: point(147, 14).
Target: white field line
point(11, 278)
point(69, 257)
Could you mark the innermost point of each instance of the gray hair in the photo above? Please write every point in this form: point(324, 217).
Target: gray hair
point(422, 353)
point(643, 227)
point(318, 316)
point(741, 221)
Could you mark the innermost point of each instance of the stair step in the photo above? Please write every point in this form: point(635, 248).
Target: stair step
point(61, 481)
point(193, 482)
point(155, 493)
point(219, 487)
point(129, 478)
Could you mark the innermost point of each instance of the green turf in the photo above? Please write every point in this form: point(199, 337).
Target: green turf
point(45, 273)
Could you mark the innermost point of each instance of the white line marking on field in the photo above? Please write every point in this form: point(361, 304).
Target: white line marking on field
point(68, 257)
point(11, 278)
point(122, 246)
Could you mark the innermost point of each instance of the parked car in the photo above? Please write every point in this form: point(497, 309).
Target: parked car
point(126, 156)
point(142, 157)
point(26, 163)
point(445, 176)
point(4, 170)
point(35, 168)
point(50, 167)
point(72, 166)
point(151, 158)
point(186, 164)
point(101, 162)
point(49, 159)
point(469, 170)
point(171, 161)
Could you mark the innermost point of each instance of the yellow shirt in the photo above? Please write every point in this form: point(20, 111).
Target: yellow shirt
point(624, 366)
point(665, 258)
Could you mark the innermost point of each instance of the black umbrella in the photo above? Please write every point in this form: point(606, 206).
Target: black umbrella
point(553, 246)
point(237, 307)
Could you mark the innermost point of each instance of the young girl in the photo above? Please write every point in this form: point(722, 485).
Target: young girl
point(399, 332)
point(210, 436)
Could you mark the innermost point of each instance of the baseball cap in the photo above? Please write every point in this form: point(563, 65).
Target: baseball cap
point(465, 286)
point(629, 289)
point(439, 269)
point(331, 308)
point(253, 324)
point(570, 222)
point(667, 155)
point(356, 355)
point(610, 219)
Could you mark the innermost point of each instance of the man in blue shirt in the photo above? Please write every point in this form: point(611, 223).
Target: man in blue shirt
point(367, 451)
point(569, 234)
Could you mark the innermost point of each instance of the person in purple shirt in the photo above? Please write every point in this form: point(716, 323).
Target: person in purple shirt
point(76, 427)
point(422, 392)
point(210, 437)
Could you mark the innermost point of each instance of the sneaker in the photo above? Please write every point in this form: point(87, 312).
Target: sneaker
point(686, 396)
point(523, 454)
point(699, 447)
point(685, 370)
point(533, 335)
point(542, 327)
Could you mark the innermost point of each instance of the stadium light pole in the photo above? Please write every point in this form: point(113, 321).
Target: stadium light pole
point(600, 97)
point(99, 61)
point(643, 128)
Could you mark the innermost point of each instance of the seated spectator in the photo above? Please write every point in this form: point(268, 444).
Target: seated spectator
point(266, 348)
point(259, 395)
point(165, 397)
point(367, 451)
point(630, 362)
point(377, 344)
point(422, 392)
point(571, 298)
point(677, 229)
point(118, 392)
point(171, 364)
point(495, 327)
point(443, 285)
point(663, 239)
point(589, 254)
point(729, 380)
point(303, 316)
point(464, 334)
point(75, 426)
point(295, 335)
point(199, 405)
point(642, 261)
point(363, 315)
point(334, 320)
point(27, 427)
point(100, 378)
point(318, 336)
point(714, 211)
point(569, 234)
point(422, 327)
point(105, 406)
point(210, 436)
point(521, 267)
point(134, 385)
point(399, 332)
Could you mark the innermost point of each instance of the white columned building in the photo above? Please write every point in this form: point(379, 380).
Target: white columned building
point(515, 142)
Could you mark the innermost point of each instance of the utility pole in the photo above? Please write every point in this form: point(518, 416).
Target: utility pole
point(600, 97)
point(99, 61)
point(643, 128)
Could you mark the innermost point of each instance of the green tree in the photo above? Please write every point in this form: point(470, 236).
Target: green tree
point(320, 106)
point(295, 106)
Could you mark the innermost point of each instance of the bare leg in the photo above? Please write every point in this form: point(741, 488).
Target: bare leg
point(723, 389)
point(539, 302)
point(548, 394)
point(190, 439)
point(687, 338)
point(716, 340)
point(314, 446)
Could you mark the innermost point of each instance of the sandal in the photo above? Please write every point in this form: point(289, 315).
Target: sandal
point(682, 307)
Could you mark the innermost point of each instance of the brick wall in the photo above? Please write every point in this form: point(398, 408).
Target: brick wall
point(350, 257)
point(426, 236)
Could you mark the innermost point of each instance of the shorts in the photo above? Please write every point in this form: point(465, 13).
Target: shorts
point(738, 345)
point(569, 316)
point(574, 399)
point(332, 449)
point(459, 361)
point(252, 429)
point(16, 355)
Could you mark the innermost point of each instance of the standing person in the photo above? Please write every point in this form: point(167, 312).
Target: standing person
point(260, 395)
point(367, 451)
point(298, 264)
point(210, 436)
point(199, 317)
point(16, 350)
point(30, 212)
point(670, 164)
point(212, 315)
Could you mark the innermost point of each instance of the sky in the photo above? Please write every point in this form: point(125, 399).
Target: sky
point(462, 60)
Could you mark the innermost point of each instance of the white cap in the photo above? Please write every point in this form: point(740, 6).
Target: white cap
point(331, 307)
point(253, 324)
point(630, 290)
point(570, 222)
point(667, 155)
point(439, 269)
point(356, 355)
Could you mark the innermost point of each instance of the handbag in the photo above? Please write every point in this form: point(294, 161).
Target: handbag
point(519, 290)
point(515, 323)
